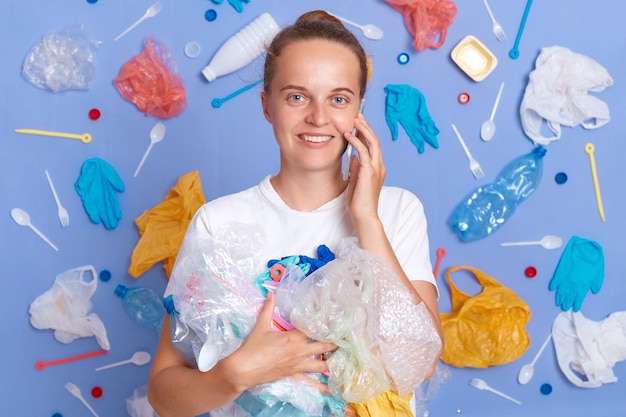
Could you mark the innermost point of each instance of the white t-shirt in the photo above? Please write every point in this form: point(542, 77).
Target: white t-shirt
point(289, 232)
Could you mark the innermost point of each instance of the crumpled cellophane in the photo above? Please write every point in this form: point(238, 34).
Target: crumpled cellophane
point(385, 341)
point(162, 228)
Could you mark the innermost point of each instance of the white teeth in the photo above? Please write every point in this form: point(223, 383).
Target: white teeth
point(316, 139)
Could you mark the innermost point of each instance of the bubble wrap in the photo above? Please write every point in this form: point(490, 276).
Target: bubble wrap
point(385, 341)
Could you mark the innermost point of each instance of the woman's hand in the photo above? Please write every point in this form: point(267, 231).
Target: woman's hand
point(268, 355)
point(367, 172)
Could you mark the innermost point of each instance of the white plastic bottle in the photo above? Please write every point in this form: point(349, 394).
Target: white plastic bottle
point(242, 48)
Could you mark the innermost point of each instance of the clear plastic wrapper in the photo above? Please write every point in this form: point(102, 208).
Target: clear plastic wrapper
point(63, 60)
point(385, 341)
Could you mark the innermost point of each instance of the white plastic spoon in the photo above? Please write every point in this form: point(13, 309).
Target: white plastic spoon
point(527, 371)
point(548, 242)
point(482, 385)
point(75, 391)
point(370, 31)
point(138, 358)
point(488, 128)
point(22, 218)
point(157, 133)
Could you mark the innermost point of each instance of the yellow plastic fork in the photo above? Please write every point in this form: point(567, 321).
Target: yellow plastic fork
point(85, 137)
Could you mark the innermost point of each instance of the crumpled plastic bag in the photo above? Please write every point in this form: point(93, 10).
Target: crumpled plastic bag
point(388, 404)
point(138, 405)
point(97, 186)
point(487, 329)
point(587, 350)
point(385, 341)
point(63, 60)
point(426, 20)
point(162, 228)
point(66, 307)
point(557, 92)
point(151, 81)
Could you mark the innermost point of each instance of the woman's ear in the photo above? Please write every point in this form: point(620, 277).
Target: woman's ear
point(265, 106)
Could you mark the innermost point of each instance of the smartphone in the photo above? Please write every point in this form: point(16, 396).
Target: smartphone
point(349, 150)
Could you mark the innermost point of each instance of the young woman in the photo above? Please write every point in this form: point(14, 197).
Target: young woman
point(314, 80)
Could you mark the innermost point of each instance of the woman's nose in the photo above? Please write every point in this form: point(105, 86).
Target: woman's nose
point(317, 115)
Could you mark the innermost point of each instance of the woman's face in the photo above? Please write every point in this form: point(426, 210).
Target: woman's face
point(312, 100)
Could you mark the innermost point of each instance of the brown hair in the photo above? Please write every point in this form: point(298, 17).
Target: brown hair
point(316, 24)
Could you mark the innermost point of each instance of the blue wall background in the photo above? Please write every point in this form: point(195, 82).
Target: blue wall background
point(233, 148)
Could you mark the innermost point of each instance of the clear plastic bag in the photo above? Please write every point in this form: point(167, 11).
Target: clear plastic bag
point(63, 60)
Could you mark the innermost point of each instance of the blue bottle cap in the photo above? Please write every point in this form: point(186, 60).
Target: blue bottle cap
point(560, 178)
point(210, 15)
point(105, 275)
point(546, 389)
point(120, 290)
point(403, 58)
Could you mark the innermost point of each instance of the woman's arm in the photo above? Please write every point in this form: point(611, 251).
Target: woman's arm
point(175, 389)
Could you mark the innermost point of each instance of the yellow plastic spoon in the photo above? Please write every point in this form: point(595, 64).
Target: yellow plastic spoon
point(589, 148)
point(85, 137)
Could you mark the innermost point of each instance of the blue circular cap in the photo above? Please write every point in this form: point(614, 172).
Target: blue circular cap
point(59, 414)
point(403, 58)
point(560, 178)
point(546, 389)
point(105, 275)
point(210, 15)
point(92, 1)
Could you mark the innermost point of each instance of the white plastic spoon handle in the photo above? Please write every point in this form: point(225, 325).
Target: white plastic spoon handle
point(41, 235)
point(350, 22)
point(112, 365)
point(143, 159)
point(495, 104)
point(541, 349)
point(538, 242)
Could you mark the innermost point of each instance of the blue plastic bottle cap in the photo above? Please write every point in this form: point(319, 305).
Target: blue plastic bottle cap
point(192, 49)
point(403, 58)
point(57, 415)
point(210, 15)
point(546, 389)
point(560, 178)
point(92, 1)
point(464, 98)
point(105, 275)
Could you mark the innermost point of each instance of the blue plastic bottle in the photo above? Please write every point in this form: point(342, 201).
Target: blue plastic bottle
point(489, 207)
point(143, 305)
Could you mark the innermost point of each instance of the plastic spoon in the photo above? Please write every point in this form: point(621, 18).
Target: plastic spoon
point(157, 133)
point(138, 358)
point(217, 102)
point(370, 31)
point(22, 218)
point(75, 391)
point(41, 365)
point(482, 385)
point(548, 242)
point(151, 12)
point(488, 128)
point(527, 371)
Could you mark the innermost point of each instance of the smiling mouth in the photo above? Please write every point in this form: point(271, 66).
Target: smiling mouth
point(315, 139)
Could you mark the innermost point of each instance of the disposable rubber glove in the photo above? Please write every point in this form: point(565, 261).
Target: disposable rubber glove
point(98, 185)
point(580, 269)
point(407, 106)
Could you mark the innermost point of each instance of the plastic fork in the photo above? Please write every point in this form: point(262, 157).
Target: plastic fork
point(75, 391)
point(497, 28)
point(64, 217)
point(473, 164)
point(482, 385)
point(151, 12)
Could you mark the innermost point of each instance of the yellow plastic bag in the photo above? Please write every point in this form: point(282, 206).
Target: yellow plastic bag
point(163, 227)
point(487, 329)
point(388, 404)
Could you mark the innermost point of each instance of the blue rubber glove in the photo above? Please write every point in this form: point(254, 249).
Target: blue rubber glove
point(407, 106)
point(580, 269)
point(98, 185)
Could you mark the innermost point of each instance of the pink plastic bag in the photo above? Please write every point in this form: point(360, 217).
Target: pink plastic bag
point(426, 20)
point(150, 80)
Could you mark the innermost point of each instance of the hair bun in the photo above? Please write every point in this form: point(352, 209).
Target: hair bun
point(320, 16)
